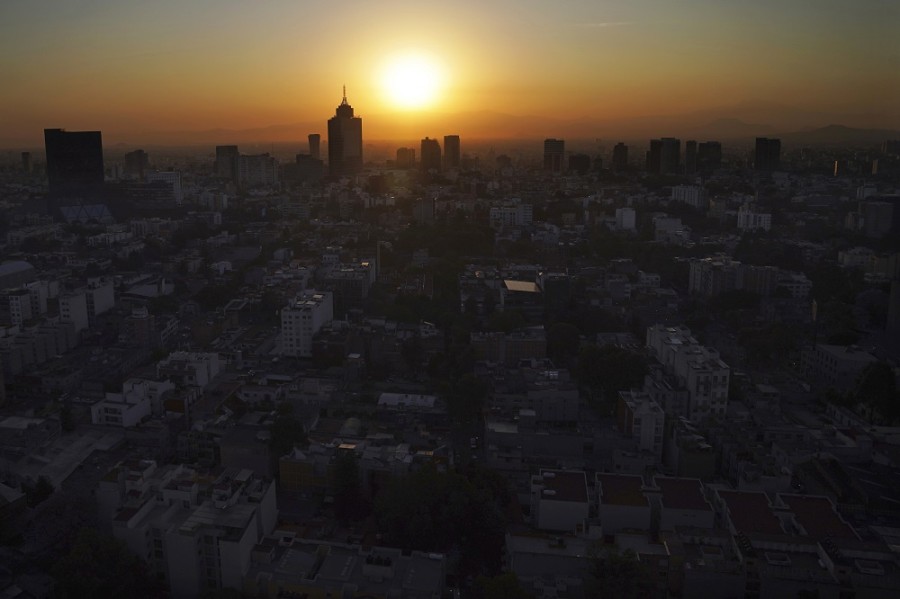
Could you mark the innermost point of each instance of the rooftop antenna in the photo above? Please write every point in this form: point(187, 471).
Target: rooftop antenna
point(345, 95)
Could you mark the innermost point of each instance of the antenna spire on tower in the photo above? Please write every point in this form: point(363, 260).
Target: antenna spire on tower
point(344, 101)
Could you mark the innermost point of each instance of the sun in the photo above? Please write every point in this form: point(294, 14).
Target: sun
point(411, 81)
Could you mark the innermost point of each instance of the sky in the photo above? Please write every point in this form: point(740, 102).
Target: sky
point(142, 70)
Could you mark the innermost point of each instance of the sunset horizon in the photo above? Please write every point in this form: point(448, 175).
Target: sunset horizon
point(138, 72)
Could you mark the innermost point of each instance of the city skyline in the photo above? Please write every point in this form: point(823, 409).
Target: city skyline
point(145, 73)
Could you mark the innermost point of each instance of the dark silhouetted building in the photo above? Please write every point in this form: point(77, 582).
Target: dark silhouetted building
point(257, 170)
point(767, 156)
point(344, 141)
point(654, 156)
point(406, 157)
point(690, 157)
point(431, 155)
point(74, 163)
point(315, 146)
point(620, 157)
point(554, 150)
point(670, 156)
point(579, 163)
point(136, 164)
point(451, 151)
point(227, 162)
point(709, 156)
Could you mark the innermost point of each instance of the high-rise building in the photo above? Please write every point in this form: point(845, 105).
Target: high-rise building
point(257, 170)
point(406, 157)
point(767, 156)
point(620, 157)
point(670, 156)
point(654, 156)
point(136, 164)
point(451, 151)
point(579, 163)
point(344, 141)
point(315, 146)
point(431, 155)
point(709, 156)
point(554, 150)
point(690, 157)
point(301, 319)
point(227, 162)
point(74, 162)
point(171, 178)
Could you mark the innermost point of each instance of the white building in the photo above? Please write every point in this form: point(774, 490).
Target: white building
point(625, 219)
point(697, 368)
point(835, 365)
point(193, 369)
point(683, 503)
point(195, 532)
point(640, 418)
point(622, 504)
point(301, 319)
point(750, 220)
point(559, 500)
point(514, 214)
point(692, 195)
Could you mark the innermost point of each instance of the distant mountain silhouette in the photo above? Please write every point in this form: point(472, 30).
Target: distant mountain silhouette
point(839, 135)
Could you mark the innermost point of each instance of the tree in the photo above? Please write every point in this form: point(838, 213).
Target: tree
point(286, 433)
point(36, 493)
point(614, 574)
point(465, 402)
point(504, 586)
point(877, 389)
point(563, 343)
point(101, 566)
point(604, 371)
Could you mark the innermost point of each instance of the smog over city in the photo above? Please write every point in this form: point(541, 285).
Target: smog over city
point(486, 300)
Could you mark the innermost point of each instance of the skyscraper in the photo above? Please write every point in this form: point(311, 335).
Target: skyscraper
point(344, 141)
point(767, 156)
point(227, 162)
point(431, 155)
point(654, 156)
point(136, 164)
point(406, 157)
point(620, 157)
point(451, 151)
point(690, 157)
point(74, 162)
point(315, 146)
point(709, 156)
point(554, 150)
point(670, 158)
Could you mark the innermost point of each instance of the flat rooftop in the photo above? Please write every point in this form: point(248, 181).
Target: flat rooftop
point(682, 493)
point(566, 485)
point(622, 489)
point(818, 518)
point(751, 512)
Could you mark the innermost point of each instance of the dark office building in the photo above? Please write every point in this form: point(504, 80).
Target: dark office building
point(767, 156)
point(690, 157)
point(74, 162)
point(227, 158)
point(431, 155)
point(670, 157)
point(136, 164)
point(406, 157)
point(579, 163)
point(709, 156)
point(620, 157)
point(654, 156)
point(344, 141)
point(554, 150)
point(315, 146)
point(451, 151)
